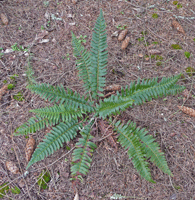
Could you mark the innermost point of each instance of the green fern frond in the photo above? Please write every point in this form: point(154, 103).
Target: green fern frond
point(83, 62)
point(32, 125)
point(54, 140)
point(83, 152)
point(51, 93)
point(148, 89)
point(135, 149)
point(98, 56)
point(58, 113)
point(150, 148)
point(113, 105)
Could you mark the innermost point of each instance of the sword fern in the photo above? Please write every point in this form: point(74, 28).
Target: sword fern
point(70, 108)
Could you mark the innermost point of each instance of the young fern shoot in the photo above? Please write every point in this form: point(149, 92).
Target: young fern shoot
point(72, 113)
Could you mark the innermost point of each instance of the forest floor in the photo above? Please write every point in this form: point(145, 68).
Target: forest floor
point(39, 34)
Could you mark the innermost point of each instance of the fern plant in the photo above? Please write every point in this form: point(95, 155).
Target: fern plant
point(73, 114)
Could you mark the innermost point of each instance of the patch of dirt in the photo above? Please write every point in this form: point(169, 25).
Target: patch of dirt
point(53, 62)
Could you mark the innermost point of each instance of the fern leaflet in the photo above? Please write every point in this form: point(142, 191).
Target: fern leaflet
point(51, 93)
point(33, 124)
point(113, 105)
point(150, 148)
point(58, 113)
point(135, 149)
point(83, 62)
point(83, 152)
point(54, 140)
point(148, 89)
point(98, 56)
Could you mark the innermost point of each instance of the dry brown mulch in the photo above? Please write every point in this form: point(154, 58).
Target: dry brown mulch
point(53, 62)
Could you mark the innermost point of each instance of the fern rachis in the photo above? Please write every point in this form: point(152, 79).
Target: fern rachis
point(66, 118)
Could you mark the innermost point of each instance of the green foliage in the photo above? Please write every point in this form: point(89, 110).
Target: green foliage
point(155, 15)
point(121, 27)
point(71, 114)
point(15, 190)
point(187, 54)
point(175, 2)
point(176, 46)
point(3, 189)
point(190, 71)
point(158, 63)
point(18, 97)
point(15, 47)
point(43, 179)
point(10, 86)
point(179, 6)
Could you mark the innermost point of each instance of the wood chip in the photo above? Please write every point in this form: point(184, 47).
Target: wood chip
point(4, 19)
point(125, 43)
point(178, 27)
point(11, 166)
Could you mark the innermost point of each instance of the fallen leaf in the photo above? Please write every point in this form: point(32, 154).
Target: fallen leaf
point(188, 111)
point(125, 43)
point(122, 35)
point(29, 148)
point(154, 51)
point(147, 58)
point(140, 55)
point(72, 24)
point(4, 19)
point(177, 26)
point(12, 167)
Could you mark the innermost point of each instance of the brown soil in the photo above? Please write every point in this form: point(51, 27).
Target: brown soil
point(53, 62)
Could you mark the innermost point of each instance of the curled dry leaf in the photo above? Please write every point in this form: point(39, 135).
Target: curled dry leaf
point(188, 111)
point(29, 148)
point(4, 19)
point(3, 91)
point(125, 43)
point(154, 51)
point(122, 35)
point(112, 88)
point(115, 34)
point(12, 167)
point(177, 26)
